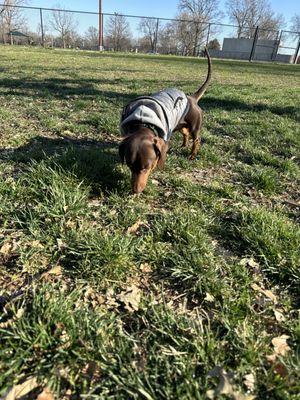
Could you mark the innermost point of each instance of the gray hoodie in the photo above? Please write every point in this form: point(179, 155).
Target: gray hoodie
point(163, 110)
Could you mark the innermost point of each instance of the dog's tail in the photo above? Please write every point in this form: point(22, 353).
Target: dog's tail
point(200, 92)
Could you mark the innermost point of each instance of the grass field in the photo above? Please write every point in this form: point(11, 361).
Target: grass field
point(190, 291)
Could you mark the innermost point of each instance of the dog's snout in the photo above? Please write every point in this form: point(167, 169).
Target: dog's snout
point(139, 181)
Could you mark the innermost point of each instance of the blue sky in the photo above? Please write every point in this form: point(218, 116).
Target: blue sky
point(160, 8)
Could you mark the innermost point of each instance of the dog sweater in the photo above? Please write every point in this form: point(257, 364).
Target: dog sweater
point(163, 110)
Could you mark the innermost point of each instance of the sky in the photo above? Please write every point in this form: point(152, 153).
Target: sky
point(157, 8)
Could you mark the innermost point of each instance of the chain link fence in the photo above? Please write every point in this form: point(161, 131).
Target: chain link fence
point(58, 28)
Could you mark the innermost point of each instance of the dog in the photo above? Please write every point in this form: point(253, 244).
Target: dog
point(148, 122)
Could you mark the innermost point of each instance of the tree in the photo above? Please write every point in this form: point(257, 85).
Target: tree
point(189, 34)
point(63, 23)
point(200, 13)
point(168, 42)
point(11, 18)
point(295, 23)
point(150, 28)
point(91, 37)
point(248, 14)
point(214, 45)
point(118, 33)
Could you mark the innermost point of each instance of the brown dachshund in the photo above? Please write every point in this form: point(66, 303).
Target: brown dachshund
point(147, 124)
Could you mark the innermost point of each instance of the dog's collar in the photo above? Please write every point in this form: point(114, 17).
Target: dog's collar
point(152, 128)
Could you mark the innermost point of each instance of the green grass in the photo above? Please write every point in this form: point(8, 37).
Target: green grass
point(208, 274)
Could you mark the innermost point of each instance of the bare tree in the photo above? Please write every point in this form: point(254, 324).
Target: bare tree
point(63, 23)
point(150, 28)
point(168, 42)
point(189, 34)
point(295, 23)
point(11, 18)
point(247, 14)
point(91, 37)
point(118, 33)
point(200, 12)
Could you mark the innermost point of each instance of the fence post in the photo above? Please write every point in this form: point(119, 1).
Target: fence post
point(156, 36)
point(208, 33)
point(277, 44)
point(42, 27)
point(100, 38)
point(297, 51)
point(254, 44)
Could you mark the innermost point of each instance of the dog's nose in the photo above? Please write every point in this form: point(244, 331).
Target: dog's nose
point(136, 189)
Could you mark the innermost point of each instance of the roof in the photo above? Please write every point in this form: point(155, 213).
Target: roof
point(17, 33)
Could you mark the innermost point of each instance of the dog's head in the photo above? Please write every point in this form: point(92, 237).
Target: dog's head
point(142, 152)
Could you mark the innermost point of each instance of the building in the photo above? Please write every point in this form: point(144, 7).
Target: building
point(240, 49)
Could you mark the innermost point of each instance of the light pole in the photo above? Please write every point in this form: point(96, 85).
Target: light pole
point(100, 43)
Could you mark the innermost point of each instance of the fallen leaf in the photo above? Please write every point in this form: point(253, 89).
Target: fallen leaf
point(267, 293)
point(134, 228)
point(281, 348)
point(46, 395)
point(55, 270)
point(18, 391)
point(6, 248)
point(280, 345)
point(146, 268)
point(249, 381)
point(131, 298)
point(111, 299)
point(209, 298)
point(61, 244)
point(225, 386)
point(279, 316)
point(36, 243)
point(249, 262)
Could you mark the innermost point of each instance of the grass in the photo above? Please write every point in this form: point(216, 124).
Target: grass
point(108, 296)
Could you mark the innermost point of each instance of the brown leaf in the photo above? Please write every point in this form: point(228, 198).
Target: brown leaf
point(281, 348)
point(267, 293)
point(46, 395)
point(6, 249)
point(280, 345)
point(37, 244)
point(146, 268)
point(18, 391)
point(55, 271)
point(131, 298)
point(111, 299)
point(134, 228)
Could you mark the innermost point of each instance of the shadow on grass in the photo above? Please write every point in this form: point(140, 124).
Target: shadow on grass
point(64, 88)
point(210, 103)
point(93, 161)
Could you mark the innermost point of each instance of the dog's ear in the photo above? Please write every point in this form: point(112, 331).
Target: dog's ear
point(122, 152)
point(161, 149)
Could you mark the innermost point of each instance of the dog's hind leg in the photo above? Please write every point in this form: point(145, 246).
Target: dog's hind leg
point(195, 145)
